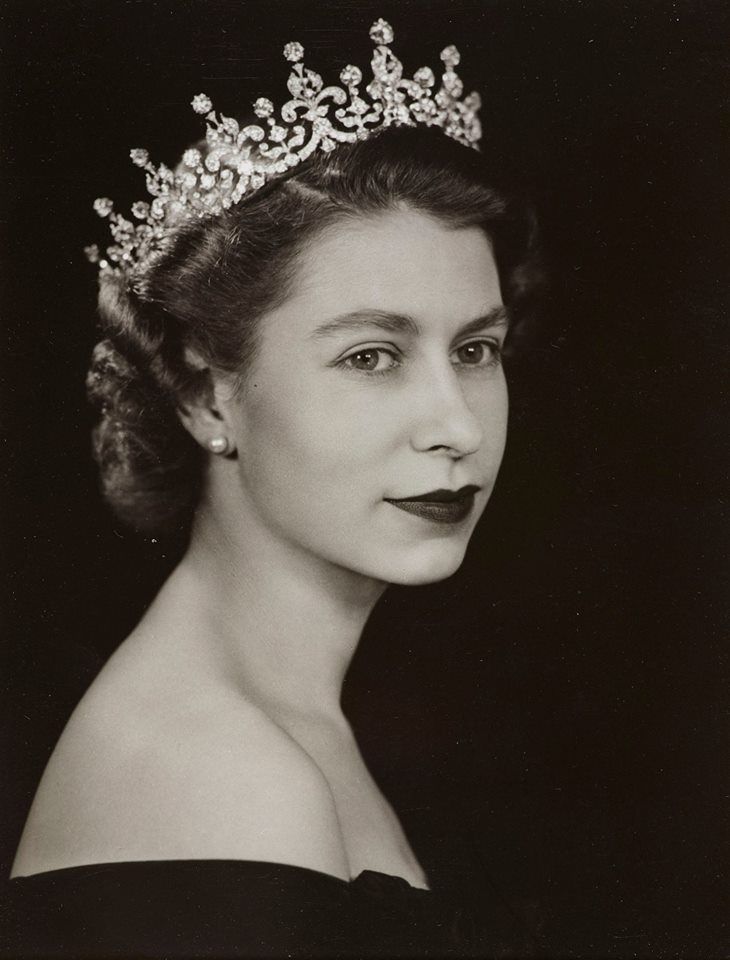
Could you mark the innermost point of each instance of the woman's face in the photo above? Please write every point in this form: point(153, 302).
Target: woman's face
point(377, 382)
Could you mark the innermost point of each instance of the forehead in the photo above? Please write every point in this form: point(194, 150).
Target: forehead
point(401, 261)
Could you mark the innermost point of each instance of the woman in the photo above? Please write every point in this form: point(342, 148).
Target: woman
point(307, 375)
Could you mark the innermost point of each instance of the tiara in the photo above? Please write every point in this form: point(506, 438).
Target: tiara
point(235, 161)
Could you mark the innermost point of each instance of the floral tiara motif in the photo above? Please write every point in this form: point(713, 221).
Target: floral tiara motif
point(239, 160)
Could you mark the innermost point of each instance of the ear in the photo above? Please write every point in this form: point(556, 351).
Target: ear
point(207, 411)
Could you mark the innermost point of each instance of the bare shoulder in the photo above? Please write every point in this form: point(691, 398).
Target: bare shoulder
point(215, 779)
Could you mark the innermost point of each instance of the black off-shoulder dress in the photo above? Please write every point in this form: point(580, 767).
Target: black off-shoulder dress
point(247, 909)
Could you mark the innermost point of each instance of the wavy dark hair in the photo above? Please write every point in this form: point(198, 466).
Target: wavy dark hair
point(222, 274)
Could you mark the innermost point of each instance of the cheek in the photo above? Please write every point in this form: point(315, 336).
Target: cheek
point(301, 439)
point(489, 403)
point(500, 416)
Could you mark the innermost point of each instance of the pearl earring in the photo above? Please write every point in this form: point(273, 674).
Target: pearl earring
point(218, 445)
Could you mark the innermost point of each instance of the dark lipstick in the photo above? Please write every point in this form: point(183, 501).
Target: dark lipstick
point(441, 506)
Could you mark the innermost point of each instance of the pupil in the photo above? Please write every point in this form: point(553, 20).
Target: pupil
point(368, 358)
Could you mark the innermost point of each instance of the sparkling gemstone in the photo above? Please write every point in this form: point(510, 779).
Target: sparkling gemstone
point(424, 76)
point(293, 51)
point(191, 158)
point(381, 32)
point(122, 227)
point(201, 103)
point(351, 76)
point(230, 126)
point(92, 253)
point(453, 84)
point(277, 134)
point(140, 210)
point(139, 156)
point(254, 133)
point(263, 107)
point(451, 56)
point(312, 82)
point(103, 206)
point(321, 126)
point(212, 162)
point(423, 110)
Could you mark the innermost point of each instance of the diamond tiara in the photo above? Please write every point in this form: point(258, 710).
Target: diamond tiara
point(236, 161)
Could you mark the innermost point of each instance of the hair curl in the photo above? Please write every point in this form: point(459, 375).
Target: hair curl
point(222, 274)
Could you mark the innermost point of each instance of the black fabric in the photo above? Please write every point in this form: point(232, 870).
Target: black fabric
point(246, 909)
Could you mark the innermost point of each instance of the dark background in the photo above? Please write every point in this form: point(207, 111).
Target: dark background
point(562, 702)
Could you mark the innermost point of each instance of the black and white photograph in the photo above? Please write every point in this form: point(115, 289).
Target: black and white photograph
point(365, 479)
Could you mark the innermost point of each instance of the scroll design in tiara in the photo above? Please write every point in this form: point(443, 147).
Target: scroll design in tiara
point(237, 161)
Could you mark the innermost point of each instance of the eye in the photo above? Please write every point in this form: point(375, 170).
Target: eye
point(371, 360)
point(478, 353)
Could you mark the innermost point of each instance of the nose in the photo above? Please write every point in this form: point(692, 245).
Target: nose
point(444, 421)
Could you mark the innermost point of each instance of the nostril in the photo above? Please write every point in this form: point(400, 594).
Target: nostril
point(452, 451)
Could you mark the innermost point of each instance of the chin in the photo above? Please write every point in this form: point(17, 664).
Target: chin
point(428, 564)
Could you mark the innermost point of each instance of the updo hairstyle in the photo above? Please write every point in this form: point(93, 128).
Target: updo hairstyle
point(220, 275)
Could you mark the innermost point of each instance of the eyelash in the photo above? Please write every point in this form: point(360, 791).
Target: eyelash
point(492, 346)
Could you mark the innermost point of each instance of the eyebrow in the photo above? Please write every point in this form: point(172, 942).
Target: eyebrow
point(401, 323)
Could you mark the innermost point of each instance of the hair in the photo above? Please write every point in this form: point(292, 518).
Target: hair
point(207, 292)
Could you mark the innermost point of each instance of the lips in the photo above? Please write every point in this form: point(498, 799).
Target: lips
point(439, 506)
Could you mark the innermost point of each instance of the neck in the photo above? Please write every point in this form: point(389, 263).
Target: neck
point(281, 624)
